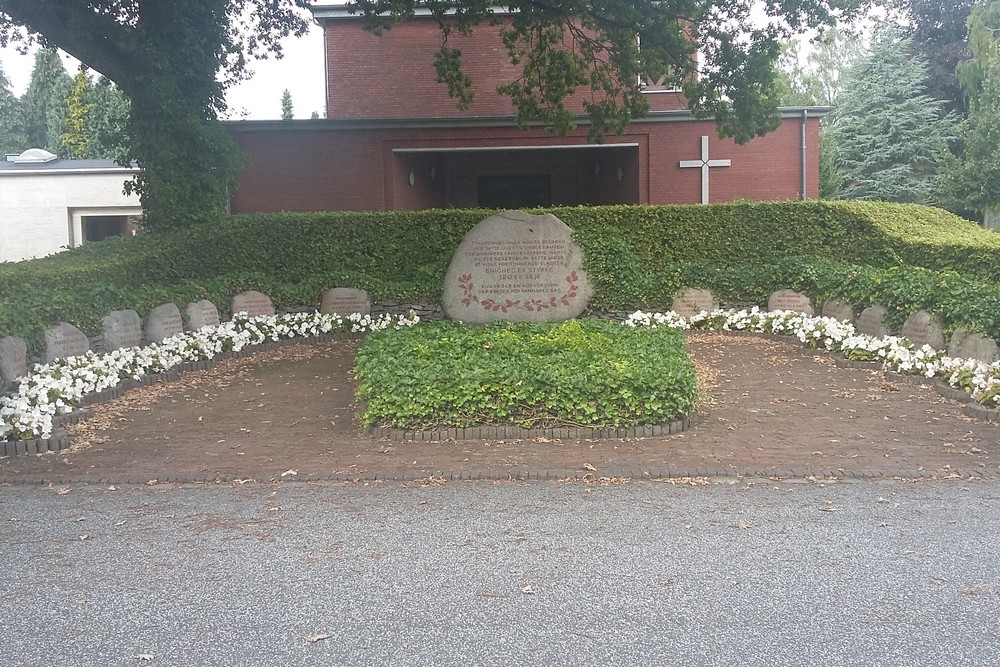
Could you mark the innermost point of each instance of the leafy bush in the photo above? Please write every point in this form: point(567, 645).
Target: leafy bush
point(637, 256)
point(580, 372)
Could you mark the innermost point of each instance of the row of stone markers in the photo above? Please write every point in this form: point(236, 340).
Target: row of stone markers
point(124, 328)
point(919, 328)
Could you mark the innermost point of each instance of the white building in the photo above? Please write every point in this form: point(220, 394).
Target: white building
point(48, 204)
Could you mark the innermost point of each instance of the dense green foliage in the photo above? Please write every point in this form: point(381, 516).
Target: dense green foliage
point(43, 105)
point(974, 178)
point(637, 256)
point(11, 124)
point(580, 372)
point(889, 137)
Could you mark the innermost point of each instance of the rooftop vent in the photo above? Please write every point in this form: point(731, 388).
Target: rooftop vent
point(33, 156)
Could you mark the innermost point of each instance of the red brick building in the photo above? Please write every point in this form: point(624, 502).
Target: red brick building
point(393, 139)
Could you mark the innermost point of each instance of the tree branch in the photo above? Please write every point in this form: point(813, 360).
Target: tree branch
point(97, 39)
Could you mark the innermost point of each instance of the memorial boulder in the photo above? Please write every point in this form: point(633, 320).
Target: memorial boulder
point(121, 328)
point(202, 314)
point(690, 301)
point(253, 303)
point(517, 267)
point(922, 328)
point(871, 322)
point(966, 344)
point(839, 310)
point(163, 322)
point(13, 358)
point(345, 301)
point(787, 299)
point(64, 340)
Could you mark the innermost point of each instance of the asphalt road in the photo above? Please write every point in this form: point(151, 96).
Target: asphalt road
point(856, 573)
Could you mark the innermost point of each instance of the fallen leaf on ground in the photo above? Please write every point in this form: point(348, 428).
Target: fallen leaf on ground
point(289, 472)
point(63, 491)
point(528, 590)
point(312, 639)
point(587, 466)
point(144, 657)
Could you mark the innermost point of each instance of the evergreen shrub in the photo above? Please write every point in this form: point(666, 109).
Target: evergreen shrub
point(579, 372)
point(637, 256)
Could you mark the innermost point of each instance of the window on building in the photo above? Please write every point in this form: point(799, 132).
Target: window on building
point(100, 227)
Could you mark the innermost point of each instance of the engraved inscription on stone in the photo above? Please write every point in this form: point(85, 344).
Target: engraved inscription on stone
point(689, 301)
point(163, 322)
point(202, 314)
point(923, 328)
point(64, 340)
point(122, 328)
point(965, 344)
point(253, 303)
point(345, 301)
point(517, 267)
point(838, 310)
point(871, 322)
point(787, 299)
point(13, 358)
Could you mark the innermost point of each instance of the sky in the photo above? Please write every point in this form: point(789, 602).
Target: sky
point(300, 71)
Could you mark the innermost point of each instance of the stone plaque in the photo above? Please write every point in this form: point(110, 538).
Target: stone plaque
point(122, 328)
point(253, 303)
point(689, 301)
point(966, 344)
point(787, 299)
point(518, 267)
point(64, 340)
point(163, 322)
point(923, 328)
point(345, 301)
point(13, 358)
point(838, 310)
point(871, 322)
point(202, 314)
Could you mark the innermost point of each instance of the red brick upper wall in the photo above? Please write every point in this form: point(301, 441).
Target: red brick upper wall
point(393, 76)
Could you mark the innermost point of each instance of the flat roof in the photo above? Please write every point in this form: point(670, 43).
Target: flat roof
point(63, 167)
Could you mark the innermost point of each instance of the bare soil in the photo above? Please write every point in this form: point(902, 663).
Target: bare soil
point(769, 406)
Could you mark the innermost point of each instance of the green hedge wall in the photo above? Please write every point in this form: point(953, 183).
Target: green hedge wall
point(636, 255)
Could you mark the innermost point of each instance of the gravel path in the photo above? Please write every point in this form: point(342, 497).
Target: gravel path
point(713, 573)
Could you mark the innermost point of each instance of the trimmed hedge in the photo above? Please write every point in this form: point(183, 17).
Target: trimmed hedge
point(578, 373)
point(636, 256)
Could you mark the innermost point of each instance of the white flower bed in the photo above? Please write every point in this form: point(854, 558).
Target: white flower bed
point(980, 379)
point(57, 388)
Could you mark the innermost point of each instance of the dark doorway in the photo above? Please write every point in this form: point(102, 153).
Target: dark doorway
point(100, 227)
point(520, 191)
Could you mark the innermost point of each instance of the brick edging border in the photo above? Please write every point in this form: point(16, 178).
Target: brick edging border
point(516, 432)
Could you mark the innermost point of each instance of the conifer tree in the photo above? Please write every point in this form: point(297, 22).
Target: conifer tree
point(286, 105)
point(79, 106)
point(11, 135)
point(889, 137)
point(107, 121)
point(44, 103)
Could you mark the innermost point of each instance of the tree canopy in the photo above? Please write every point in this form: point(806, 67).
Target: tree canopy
point(176, 59)
point(974, 179)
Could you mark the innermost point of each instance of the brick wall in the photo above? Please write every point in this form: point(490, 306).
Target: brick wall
point(392, 76)
point(321, 165)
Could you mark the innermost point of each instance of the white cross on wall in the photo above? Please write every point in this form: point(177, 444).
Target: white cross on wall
point(705, 164)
